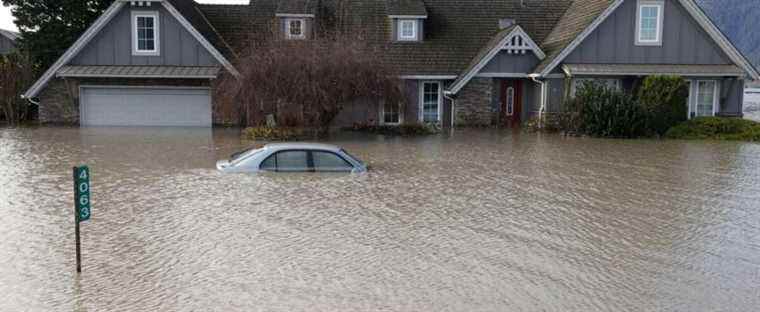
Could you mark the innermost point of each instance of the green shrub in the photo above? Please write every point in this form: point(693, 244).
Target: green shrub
point(716, 128)
point(602, 112)
point(277, 133)
point(400, 130)
point(664, 98)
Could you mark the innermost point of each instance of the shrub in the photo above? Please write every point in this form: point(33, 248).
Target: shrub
point(602, 112)
point(16, 72)
point(306, 83)
point(664, 98)
point(401, 130)
point(716, 128)
point(277, 133)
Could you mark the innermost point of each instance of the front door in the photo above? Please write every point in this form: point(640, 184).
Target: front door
point(511, 102)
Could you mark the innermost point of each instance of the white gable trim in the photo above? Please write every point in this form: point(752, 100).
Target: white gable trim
point(503, 45)
point(728, 47)
point(219, 57)
point(74, 49)
point(696, 12)
point(98, 25)
point(578, 40)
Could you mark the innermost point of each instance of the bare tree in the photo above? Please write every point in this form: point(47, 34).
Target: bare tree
point(305, 83)
point(16, 73)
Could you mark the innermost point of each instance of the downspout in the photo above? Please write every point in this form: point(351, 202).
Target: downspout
point(30, 100)
point(542, 108)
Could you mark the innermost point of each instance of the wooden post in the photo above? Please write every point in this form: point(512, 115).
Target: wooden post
point(76, 225)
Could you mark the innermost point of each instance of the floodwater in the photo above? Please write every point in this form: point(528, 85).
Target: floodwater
point(471, 221)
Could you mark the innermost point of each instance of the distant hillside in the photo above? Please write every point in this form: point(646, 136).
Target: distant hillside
point(738, 19)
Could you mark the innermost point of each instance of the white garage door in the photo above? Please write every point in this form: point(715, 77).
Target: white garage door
point(121, 106)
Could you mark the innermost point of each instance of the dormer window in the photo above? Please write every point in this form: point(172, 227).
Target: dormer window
point(145, 34)
point(407, 30)
point(649, 22)
point(295, 28)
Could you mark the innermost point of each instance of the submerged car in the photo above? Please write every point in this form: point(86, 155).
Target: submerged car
point(292, 157)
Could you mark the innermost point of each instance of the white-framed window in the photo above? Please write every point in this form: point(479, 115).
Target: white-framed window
point(430, 102)
point(649, 22)
point(407, 30)
point(706, 98)
point(145, 33)
point(295, 28)
point(609, 83)
point(510, 101)
point(390, 113)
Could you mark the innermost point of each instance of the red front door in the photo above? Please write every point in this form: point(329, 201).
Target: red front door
point(511, 102)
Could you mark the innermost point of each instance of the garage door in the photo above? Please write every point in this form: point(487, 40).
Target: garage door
point(145, 107)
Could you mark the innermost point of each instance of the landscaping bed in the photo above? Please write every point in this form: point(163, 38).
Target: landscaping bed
point(716, 128)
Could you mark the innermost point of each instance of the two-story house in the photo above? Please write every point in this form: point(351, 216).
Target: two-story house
point(7, 41)
point(477, 62)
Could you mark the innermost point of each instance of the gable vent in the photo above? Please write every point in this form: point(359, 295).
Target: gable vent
point(517, 45)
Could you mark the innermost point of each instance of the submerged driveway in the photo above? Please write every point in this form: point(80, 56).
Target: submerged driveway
point(472, 221)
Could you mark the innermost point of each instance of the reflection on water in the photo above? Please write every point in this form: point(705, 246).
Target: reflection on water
point(471, 221)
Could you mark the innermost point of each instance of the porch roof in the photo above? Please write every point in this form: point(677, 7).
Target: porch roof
point(648, 70)
point(192, 72)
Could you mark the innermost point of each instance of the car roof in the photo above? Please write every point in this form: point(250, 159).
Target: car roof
point(305, 146)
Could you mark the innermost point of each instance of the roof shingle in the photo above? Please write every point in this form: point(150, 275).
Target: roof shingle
point(406, 8)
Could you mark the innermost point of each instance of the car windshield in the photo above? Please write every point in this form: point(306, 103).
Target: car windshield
point(244, 154)
point(352, 157)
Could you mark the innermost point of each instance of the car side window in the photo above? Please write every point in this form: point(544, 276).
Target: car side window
point(270, 164)
point(330, 162)
point(287, 161)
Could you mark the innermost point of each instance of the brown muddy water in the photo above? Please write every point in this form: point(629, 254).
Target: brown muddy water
point(471, 221)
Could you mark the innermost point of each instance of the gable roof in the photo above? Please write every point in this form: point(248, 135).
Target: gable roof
point(9, 34)
point(456, 31)
point(230, 21)
point(584, 16)
point(189, 10)
point(296, 7)
point(491, 49)
point(178, 12)
point(581, 18)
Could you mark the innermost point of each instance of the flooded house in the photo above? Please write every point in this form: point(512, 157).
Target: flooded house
point(463, 63)
point(7, 41)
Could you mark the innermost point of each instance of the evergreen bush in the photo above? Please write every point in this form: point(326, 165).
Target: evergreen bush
point(665, 100)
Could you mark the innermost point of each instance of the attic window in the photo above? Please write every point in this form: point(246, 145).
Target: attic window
point(407, 30)
point(294, 28)
point(145, 33)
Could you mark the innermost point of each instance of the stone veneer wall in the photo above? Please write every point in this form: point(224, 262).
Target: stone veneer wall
point(59, 100)
point(473, 105)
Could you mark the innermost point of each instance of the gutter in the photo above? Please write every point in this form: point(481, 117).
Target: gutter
point(542, 109)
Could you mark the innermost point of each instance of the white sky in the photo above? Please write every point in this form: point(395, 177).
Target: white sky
point(6, 19)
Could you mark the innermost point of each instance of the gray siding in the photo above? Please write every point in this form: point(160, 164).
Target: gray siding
point(684, 42)
point(113, 45)
point(731, 95)
point(368, 111)
point(504, 62)
point(361, 111)
point(6, 45)
point(412, 109)
point(555, 95)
